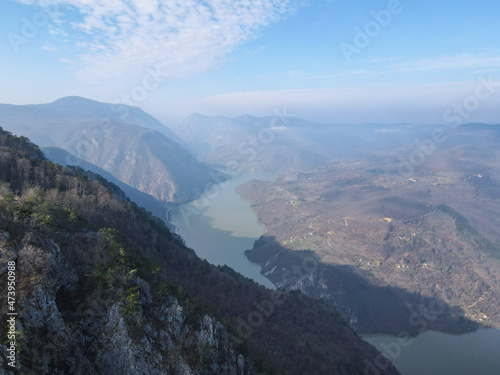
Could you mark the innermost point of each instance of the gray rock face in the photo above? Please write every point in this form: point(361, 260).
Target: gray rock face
point(70, 330)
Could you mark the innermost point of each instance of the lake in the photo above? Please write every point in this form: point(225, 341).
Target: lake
point(435, 353)
point(221, 227)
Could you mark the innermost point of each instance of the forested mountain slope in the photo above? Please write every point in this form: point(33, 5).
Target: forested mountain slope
point(104, 288)
point(156, 207)
point(123, 140)
point(393, 245)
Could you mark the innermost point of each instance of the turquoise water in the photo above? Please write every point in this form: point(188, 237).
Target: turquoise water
point(435, 353)
point(221, 226)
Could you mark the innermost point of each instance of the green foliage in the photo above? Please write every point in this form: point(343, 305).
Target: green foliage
point(131, 309)
point(120, 253)
point(166, 288)
point(20, 340)
point(122, 259)
point(22, 212)
point(117, 273)
point(119, 267)
point(37, 211)
point(55, 218)
point(21, 145)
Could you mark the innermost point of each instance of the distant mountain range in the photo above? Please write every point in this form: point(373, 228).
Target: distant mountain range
point(62, 157)
point(284, 143)
point(131, 145)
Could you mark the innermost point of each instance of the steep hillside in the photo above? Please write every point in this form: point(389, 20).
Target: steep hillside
point(124, 141)
point(103, 288)
point(64, 158)
point(393, 247)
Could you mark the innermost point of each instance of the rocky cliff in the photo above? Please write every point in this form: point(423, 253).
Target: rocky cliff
point(102, 287)
point(68, 326)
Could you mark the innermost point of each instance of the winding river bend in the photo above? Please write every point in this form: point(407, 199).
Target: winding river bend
point(223, 226)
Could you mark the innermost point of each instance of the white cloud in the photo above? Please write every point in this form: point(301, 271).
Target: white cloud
point(120, 38)
point(483, 71)
point(383, 59)
point(49, 48)
point(66, 61)
point(463, 61)
point(305, 76)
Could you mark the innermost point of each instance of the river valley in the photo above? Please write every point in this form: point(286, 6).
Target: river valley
point(222, 227)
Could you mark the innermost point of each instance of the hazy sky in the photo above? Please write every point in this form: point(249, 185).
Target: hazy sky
point(333, 61)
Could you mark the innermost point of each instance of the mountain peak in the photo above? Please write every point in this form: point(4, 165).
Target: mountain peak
point(69, 100)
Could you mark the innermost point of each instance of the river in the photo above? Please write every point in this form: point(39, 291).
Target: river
point(435, 353)
point(220, 228)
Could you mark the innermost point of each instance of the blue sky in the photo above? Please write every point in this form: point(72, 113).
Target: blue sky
point(336, 61)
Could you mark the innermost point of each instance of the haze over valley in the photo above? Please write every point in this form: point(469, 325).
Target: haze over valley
point(250, 187)
point(391, 225)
